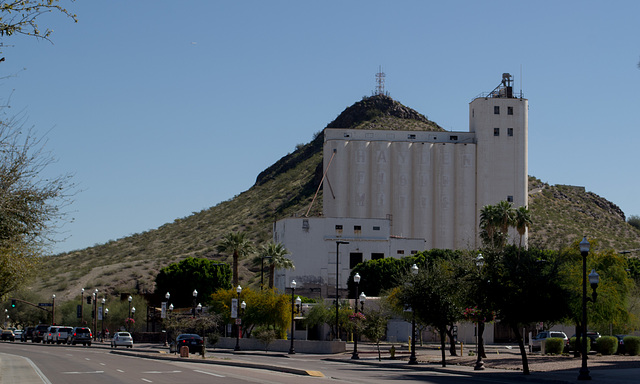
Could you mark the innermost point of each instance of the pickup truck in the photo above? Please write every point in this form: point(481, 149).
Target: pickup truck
point(39, 332)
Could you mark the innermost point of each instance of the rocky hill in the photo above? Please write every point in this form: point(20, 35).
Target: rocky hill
point(561, 214)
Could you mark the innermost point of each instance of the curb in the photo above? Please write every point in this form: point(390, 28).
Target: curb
point(243, 364)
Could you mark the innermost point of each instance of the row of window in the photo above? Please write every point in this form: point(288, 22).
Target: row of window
point(496, 131)
point(496, 110)
point(356, 228)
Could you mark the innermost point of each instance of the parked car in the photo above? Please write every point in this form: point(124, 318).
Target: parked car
point(536, 342)
point(38, 332)
point(7, 335)
point(621, 350)
point(27, 334)
point(123, 339)
point(80, 335)
point(191, 340)
point(18, 333)
point(593, 336)
point(62, 335)
point(47, 337)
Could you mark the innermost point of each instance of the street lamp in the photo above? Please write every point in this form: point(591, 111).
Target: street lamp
point(238, 323)
point(106, 312)
point(354, 355)
point(293, 324)
point(594, 279)
point(102, 310)
point(479, 329)
point(199, 308)
point(130, 300)
point(412, 358)
point(53, 310)
point(195, 296)
point(82, 306)
point(94, 314)
point(337, 284)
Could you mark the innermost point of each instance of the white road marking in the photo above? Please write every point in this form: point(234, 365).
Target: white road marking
point(81, 373)
point(120, 370)
point(208, 373)
point(147, 380)
point(161, 372)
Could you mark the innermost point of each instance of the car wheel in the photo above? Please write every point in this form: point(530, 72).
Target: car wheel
point(88, 344)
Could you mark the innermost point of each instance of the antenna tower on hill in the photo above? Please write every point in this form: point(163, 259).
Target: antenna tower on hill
point(380, 82)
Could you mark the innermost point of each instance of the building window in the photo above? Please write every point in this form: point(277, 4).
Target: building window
point(355, 258)
point(509, 110)
point(338, 230)
point(509, 131)
point(400, 252)
point(510, 199)
point(376, 256)
point(496, 131)
point(357, 229)
point(305, 224)
point(376, 228)
point(413, 252)
point(496, 110)
point(453, 138)
point(411, 137)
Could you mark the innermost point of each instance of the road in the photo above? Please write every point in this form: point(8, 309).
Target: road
point(28, 363)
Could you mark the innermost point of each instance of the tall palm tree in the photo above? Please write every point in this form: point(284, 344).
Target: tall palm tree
point(495, 221)
point(238, 245)
point(276, 254)
point(522, 221)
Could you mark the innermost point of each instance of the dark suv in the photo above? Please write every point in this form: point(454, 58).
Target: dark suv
point(80, 335)
point(38, 332)
point(27, 334)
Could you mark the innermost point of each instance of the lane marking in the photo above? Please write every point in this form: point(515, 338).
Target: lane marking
point(208, 373)
point(147, 380)
point(44, 378)
point(161, 372)
point(82, 373)
point(120, 370)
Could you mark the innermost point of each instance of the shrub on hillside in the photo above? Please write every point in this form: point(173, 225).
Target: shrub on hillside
point(608, 345)
point(632, 345)
point(554, 346)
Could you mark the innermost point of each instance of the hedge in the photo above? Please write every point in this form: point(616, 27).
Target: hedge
point(572, 344)
point(554, 346)
point(608, 345)
point(632, 345)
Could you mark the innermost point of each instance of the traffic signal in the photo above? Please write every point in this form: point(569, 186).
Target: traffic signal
point(88, 299)
point(13, 303)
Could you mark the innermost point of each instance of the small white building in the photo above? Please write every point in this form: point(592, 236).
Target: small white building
point(314, 243)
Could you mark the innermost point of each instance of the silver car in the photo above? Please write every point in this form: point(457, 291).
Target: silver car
point(123, 339)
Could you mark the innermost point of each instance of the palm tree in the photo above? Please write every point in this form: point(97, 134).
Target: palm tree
point(238, 245)
point(522, 221)
point(276, 254)
point(495, 221)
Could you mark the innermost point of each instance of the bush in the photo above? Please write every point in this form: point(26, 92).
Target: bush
point(608, 345)
point(573, 346)
point(632, 345)
point(554, 346)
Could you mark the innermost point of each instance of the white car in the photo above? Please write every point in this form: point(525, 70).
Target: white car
point(122, 339)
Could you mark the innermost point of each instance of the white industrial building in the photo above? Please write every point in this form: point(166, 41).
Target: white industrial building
point(390, 193)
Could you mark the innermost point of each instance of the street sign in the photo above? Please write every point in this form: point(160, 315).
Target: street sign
point(45, 305)
point(234, 308)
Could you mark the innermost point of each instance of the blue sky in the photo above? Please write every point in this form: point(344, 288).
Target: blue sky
point(161, 109)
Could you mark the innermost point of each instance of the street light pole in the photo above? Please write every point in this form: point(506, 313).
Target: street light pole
point(237, 348)
point(479, 363)
point(594, 279)
point(293, 324)
point(195, 297)
point(337, 284)
point(53, 310)
point(82, 306)
point(355, 356)
point(102, 316)
point(412, 359)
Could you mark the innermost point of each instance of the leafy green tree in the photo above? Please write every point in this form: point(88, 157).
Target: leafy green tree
point(436, 297)
point(525, 286)
point(180, 279)
point(276, 255)
point(239, 246)
point(374, 326)
point(265, 308)
point(20, 17)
